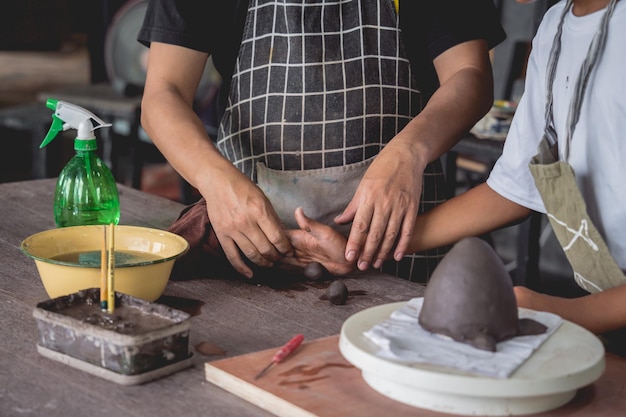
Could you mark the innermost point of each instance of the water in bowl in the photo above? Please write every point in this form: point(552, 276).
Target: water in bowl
point(92, 258)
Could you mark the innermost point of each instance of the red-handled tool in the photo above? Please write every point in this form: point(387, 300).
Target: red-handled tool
point(282, 353)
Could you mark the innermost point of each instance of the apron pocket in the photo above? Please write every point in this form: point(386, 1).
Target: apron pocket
point(322, 193)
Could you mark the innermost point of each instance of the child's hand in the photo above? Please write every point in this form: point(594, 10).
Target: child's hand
point(317, 242)
point(533, 300)
point(525, 297)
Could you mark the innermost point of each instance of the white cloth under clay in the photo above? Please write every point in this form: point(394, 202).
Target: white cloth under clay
point(401, 338)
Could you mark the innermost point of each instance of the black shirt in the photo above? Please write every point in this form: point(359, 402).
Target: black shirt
point(428, 29)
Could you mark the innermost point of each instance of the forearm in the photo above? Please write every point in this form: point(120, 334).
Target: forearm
point(181, 137)
point(599, 313)
point(473, 213)
point(465, 95)
point(168, 117)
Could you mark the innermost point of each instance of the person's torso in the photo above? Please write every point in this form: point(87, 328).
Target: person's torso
point(598, 147)
point(428, 29)
point(316, 85)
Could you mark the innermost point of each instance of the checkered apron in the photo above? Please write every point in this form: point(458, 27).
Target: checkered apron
point(319, 88)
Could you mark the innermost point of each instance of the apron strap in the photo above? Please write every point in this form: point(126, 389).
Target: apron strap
point(555, 53)
point(595, 51)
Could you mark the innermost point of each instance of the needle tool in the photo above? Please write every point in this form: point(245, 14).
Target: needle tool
point(111, 271)
point(282, 353)
point(103, 271)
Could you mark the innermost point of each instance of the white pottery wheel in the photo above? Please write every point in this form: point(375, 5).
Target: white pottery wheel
point(570, 359)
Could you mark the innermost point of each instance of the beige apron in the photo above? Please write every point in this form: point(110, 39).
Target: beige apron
point(318, 89)
point(594, 268)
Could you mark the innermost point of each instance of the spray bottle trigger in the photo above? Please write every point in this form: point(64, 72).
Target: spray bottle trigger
point(55, 128)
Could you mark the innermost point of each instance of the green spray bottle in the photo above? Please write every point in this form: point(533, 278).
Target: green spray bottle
point(86, 192)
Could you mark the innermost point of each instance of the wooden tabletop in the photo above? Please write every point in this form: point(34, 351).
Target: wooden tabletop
point(233, 317)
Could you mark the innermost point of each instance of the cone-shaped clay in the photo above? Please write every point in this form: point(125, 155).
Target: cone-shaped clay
point(470, 298)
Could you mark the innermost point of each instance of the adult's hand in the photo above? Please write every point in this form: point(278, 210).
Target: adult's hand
point(384, 207)
point(242, 217)
point(245, 223)
point(317, 242)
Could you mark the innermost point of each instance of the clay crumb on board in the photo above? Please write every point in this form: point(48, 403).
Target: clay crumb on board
point(209, 349)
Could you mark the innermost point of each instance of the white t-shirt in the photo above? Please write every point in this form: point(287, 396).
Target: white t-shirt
point(598, 147)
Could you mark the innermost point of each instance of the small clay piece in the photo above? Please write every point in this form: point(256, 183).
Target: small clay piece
point(209, 349)
point(337, 292)
point(470, 298)
point(314, 271)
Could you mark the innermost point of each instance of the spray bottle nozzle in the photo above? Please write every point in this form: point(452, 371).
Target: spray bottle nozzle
point(69, 116)
point(51, 103)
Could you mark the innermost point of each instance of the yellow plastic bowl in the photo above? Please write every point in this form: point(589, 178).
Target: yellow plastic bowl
point(68, 259)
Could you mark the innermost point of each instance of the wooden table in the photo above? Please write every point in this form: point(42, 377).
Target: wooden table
point(231, 315)
point(235, 316)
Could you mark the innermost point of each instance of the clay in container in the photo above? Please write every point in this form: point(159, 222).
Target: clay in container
point(137, 337)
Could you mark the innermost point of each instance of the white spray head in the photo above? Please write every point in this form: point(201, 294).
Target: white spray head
point(70, 116)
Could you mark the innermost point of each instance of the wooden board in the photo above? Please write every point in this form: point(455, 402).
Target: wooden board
point(317, 381)
point(314, 381)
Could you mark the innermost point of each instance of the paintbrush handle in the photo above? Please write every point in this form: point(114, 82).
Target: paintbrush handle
point(111, 270)
point(103, 272)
